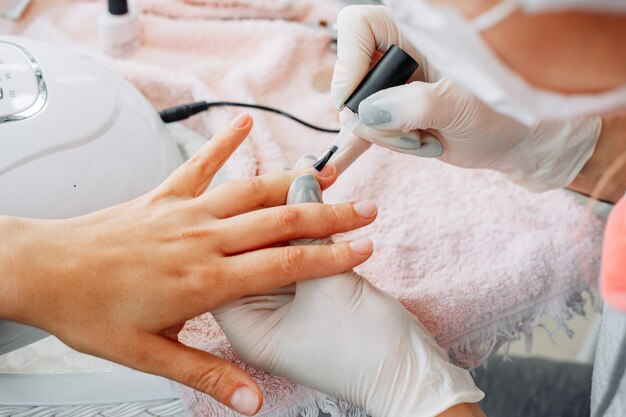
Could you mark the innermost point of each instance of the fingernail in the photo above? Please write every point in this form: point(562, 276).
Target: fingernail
point(431, 147)
point(304, 189)
point(408, 143)
point(240, 121)
point(362, 246)
point(365, 209)
point(245, 401)
point(328, 171)
point(371, 115)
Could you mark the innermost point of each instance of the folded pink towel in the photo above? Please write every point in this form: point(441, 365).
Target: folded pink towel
point(476, 258)
point(300, 10)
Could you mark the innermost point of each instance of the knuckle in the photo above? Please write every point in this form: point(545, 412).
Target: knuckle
point(162, 192)
point(196, 283)
point(288, 220)
point(211, 379)
point(197, 161)
point(337, 254)
point(427, 97)
point(196, 233)
point(253, 186)
point(221, 140)
point(346, 14)
point(291, 259)
point(199, 279)
point(357, 16)
point(335, 216)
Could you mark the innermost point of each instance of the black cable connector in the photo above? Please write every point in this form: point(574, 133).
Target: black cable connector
point(185, 111)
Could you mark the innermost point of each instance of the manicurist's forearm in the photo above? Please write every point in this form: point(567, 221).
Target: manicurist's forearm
point(463, 410)
point(604, 175)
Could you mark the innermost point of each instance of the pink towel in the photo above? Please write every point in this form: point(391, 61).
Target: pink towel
point(300, 10)
point(477, 259)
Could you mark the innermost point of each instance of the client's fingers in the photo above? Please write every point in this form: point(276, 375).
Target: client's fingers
point(200, 370)
point(193, 177)
point(262, 270)
point(262, 228)
point(269, 190)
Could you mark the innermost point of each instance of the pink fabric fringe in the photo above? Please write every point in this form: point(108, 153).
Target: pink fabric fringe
point(477, 259)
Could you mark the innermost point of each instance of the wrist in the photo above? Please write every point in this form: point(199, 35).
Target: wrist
point(463, 410)
point(603, 175)
point(13, 257)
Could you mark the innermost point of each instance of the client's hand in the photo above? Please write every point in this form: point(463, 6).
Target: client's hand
point(343, 336)
point(121, 282)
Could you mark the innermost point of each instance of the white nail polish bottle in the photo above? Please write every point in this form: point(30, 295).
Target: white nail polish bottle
point(119, 30)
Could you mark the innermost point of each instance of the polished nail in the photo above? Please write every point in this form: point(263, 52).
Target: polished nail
point(431, 147)
point(305, 189)
point(365, 209)
point(240, 121)
point(403, 144)
point(371, 115)
point(245, 401)
point(328, 171)
point(408, 143)
point(362, 246)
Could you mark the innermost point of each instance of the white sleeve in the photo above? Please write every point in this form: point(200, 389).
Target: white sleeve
point(15, 335)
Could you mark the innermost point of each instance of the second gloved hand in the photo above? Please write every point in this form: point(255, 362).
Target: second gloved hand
point(436, 118)
point(345, 337)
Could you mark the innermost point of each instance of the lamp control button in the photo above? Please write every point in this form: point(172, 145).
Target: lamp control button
point(20, 87)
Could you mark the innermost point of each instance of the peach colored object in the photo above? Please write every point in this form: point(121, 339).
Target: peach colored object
point(613, 271)
point(476, 258)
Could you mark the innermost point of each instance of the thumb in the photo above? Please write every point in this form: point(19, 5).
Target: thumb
point(200, 370)
point(413, 106)
point(361, 32)
point(417, 142)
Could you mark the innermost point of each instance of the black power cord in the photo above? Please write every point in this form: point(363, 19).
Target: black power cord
point(185, 111)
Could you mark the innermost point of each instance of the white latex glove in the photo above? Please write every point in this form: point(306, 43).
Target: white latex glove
point(345, 337)
point(469, 133)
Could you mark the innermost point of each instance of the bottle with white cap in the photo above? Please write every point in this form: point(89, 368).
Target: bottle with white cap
point(118, 29)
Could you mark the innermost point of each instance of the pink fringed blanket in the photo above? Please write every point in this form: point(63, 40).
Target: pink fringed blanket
point(477, 259)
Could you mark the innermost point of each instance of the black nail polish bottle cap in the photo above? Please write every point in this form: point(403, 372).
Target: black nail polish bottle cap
point(118, 7)
point(394, 68)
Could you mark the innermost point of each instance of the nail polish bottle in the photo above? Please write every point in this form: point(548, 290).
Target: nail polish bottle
point(118, 29)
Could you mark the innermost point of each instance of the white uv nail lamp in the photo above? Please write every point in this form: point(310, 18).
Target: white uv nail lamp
point(74, 138)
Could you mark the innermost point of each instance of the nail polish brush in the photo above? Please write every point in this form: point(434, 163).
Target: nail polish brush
point(394, 68)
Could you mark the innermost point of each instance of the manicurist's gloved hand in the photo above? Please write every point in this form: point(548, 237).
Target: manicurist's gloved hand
point(121, 282)
point(343, 336)
point(466, 132)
